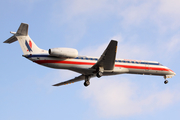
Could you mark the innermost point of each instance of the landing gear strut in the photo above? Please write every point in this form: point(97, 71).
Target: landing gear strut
point(100, 72)
point(86, 82)
point(166, 81)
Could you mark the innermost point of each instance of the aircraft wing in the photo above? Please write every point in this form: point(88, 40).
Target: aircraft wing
point(107, 59)
point(76, 79)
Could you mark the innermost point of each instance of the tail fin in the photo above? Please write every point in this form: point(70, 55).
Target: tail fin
point(26, 43)
point(23, 29)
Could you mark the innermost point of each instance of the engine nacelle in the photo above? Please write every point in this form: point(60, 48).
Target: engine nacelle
point(64, 52)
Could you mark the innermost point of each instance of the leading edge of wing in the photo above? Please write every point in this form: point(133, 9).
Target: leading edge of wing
point(107, 59)
point(76, 79)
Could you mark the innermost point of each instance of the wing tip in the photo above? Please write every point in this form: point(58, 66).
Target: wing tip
point(114, 40)
point(55, 85)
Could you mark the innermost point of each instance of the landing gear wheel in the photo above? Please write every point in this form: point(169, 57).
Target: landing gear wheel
point(86, 83)
point(166, 81)
point(99, 74)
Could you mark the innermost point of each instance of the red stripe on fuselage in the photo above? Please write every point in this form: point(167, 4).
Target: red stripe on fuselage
point(88, 63)
point(63, 62)
point(143, 67)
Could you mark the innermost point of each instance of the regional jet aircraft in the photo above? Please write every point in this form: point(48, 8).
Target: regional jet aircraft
point(88, 67)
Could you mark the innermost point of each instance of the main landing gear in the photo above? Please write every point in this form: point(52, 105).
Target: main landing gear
point(99, 74)
point(86, 82)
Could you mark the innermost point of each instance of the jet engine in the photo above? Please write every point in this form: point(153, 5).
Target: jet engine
point(64, 52)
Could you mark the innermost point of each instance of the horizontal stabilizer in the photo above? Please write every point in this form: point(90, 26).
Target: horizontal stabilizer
point(11, 40)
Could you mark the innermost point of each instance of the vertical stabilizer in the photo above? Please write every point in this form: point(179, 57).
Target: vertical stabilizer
point(26, 43)
point(23, 29)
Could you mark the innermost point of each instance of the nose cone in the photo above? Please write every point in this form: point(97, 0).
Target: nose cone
point(174, 73)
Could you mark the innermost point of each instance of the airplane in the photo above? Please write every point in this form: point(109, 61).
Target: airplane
point(88, 67)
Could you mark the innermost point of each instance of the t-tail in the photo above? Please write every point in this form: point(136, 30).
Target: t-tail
point(26, 43)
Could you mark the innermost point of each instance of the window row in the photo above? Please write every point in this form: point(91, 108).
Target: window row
point(120, 61)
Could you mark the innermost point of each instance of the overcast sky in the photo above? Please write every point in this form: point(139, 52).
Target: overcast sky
point(145, 30)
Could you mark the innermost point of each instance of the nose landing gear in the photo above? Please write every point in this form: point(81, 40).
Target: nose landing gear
point(166, 81)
